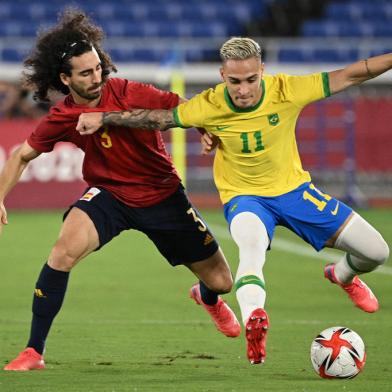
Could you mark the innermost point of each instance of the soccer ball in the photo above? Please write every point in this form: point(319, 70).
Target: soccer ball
point(338, 352)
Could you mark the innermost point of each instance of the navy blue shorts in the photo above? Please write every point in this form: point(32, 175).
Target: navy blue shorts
point(308, 212)
point(173, 225)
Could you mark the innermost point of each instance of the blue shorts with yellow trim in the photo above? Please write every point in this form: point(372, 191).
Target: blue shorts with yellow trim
point(307, 211)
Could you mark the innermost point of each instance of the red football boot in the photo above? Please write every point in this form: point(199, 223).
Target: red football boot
point(223, 317)
point(256, 335)
point(28, 359)
point(357, 290)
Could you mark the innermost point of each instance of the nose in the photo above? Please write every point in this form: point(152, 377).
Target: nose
point(243, 90)
point(96, 77)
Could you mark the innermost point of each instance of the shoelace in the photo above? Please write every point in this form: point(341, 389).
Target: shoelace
point(28, 353)
point(354, 285)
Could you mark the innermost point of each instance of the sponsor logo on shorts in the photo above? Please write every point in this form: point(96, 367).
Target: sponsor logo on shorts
point(208, 239)
point(233, 208)
point(92, 192)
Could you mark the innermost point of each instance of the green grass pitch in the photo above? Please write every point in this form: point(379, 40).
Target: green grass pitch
point(127, 323)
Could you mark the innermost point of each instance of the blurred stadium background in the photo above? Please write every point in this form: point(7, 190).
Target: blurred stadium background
point(345, 140)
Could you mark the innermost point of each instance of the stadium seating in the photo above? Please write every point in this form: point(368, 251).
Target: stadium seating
point(351, 19)
point(20, 19)
point(201, 20)
point(344, 20)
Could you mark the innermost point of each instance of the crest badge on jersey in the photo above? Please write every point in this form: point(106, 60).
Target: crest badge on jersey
point(92, 192)
point(273, 119)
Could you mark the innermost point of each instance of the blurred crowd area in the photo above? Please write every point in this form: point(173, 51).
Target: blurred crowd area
point(17, 101)
point(344, 140)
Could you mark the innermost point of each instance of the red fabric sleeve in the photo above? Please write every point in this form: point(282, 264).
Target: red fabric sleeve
point(46, 135)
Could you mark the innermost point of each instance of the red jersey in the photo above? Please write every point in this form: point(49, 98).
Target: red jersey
point(132, 164)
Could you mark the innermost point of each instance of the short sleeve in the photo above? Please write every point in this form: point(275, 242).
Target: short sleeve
point(192, 113)
point(46, 135)
point(302, 90)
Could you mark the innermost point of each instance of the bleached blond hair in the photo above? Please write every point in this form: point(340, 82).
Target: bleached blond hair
point(239, 48)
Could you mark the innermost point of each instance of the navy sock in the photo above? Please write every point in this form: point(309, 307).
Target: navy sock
point(208, 296)
point(48, 297)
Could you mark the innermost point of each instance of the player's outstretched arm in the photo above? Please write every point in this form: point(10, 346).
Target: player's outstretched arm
point(140, 118)
point(11, 173)
point(359, 72)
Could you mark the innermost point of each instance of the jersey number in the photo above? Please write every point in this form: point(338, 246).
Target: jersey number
point(320, 202)
point(245, 142)
point(201, 226)
point(106, 140)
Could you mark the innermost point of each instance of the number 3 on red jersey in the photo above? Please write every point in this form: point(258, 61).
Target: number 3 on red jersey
point(106, 141)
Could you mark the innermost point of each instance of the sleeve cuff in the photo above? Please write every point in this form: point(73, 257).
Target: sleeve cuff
point(177, 118)
point(325, 77)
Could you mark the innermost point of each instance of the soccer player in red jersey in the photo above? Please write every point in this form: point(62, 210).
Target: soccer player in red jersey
point(132, 183)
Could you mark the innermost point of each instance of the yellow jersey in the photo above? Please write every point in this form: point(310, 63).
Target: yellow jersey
point(257, 154)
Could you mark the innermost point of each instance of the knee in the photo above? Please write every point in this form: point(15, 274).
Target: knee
point(249, 232)
point(251, 241)
point(222, 285)
point(62, 258)
point(381, 252)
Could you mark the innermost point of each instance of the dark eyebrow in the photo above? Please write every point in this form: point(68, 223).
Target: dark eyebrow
point(85, 70)
point(90, 69)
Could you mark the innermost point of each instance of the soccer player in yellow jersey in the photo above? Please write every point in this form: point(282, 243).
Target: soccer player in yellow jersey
point(259, 175)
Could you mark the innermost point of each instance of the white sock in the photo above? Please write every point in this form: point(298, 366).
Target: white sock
point(365, 247)
point(251, 237)
point(343, 273)
point(250, 297)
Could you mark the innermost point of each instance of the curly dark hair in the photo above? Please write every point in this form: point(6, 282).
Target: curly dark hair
point(73, 35)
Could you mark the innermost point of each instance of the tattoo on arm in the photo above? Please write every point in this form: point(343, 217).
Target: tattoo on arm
point(141, 118)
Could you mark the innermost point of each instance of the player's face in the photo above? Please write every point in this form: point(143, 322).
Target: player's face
point(85, 82)
point(243, 81)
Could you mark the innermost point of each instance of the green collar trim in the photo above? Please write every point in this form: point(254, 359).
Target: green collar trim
point(236, 109)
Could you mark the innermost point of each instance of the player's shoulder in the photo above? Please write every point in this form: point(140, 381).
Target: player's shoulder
point(117, 86)
point(280, 83)
point(212, 96)
point(276, 80)
point(62, 111)
point(284, 78)
point(134, 90)
point(124, 85)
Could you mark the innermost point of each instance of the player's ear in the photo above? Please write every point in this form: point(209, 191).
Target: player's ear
point(222, 73)
point(64, 78)
point(262, 69)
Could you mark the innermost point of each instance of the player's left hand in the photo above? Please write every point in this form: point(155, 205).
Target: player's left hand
point(208, 143)
point(89, 123)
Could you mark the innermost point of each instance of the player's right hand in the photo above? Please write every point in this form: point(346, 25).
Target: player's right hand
point(89, 123)
point(3, 217)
